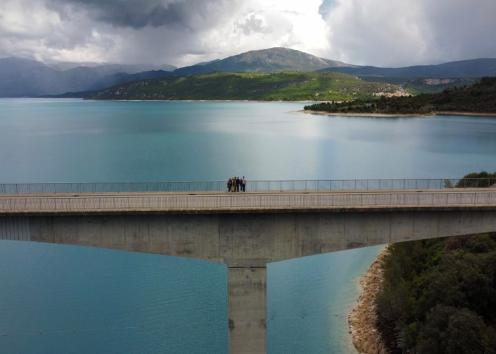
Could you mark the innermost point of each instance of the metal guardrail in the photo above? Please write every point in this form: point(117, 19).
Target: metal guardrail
point(253, 186)
point(249, 201)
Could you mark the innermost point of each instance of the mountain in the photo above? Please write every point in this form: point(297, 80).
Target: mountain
point(23, 77)
point(29, 78)
point(265, 60)
point(249, 86)
point(475, 68)
point(123, 78)
point(109, 68)
point(478, 98)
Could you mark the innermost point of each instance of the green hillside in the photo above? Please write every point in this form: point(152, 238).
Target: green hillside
point(290, 86)
point(418, 86)
point(478, 98)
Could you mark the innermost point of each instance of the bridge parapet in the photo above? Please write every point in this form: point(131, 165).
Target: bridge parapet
point(252, 185)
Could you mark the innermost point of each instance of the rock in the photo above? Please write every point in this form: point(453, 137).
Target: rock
point(362, 318)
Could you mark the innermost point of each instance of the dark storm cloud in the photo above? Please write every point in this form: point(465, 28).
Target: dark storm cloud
point(138, 13)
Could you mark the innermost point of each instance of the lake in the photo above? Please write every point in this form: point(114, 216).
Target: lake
point(62, 299)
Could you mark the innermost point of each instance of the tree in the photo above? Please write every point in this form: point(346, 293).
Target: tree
point(451, 330)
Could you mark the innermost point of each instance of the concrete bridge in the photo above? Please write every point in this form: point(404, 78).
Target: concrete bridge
point(244, 230)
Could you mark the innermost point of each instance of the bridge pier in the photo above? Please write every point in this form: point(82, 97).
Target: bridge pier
point(247, 310)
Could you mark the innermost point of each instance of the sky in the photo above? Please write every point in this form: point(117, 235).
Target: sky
point(185, 32)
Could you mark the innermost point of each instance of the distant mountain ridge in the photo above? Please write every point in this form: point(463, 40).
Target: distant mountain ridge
point(110, 68)
point(474, 68)
point(23, 77)
point(29, 78)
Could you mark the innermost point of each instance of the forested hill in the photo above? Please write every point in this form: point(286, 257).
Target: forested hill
point(291, 86)
point(478, 98)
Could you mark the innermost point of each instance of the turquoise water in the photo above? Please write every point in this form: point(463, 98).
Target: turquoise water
point(310, 299)
point(141, 141)
point(62, 299)
point(52, 302)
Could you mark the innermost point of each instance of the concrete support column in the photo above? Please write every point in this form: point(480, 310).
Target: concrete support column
point(247, 310)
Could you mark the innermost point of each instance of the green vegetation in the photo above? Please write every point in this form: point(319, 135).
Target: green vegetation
point(477, 180)
point(479, 98)
point(288, 86)
point(417, 86)
point(439, 296)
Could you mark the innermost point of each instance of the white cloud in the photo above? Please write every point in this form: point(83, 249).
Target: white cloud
point(292, 24)
point(405, 32)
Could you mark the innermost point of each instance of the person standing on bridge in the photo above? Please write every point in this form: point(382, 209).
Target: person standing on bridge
point(229, 184)
point(237, 182)
point(243, 184)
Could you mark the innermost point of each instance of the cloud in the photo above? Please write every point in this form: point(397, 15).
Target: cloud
point(179, 32)
point(183, 32)
point(254, 23)
point(384, 32)
point(29, 29)
point(258, 24)
point(155, 13)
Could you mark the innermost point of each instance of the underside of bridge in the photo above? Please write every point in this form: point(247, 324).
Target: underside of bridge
point(246, 242)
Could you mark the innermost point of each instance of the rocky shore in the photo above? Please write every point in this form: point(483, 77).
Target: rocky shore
point(362, 319)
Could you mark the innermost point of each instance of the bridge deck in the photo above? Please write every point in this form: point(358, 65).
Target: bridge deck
point(249, 202)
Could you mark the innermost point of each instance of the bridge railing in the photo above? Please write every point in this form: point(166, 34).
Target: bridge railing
point(252, 186)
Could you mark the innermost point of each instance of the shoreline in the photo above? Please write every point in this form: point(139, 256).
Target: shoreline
point(369, 115)
point(400, 115)
point(468, 114)
point(164, 100)
point(362, 318)
point(202, 100)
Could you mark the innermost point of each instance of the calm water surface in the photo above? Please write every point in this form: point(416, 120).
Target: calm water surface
point(59, 299)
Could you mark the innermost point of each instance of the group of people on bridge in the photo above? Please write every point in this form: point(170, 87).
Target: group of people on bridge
point(236, 184)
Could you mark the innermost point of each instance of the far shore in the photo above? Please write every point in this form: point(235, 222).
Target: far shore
point(400, 115)
point(193, 100)
point(470, 114)
point(374, 115)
